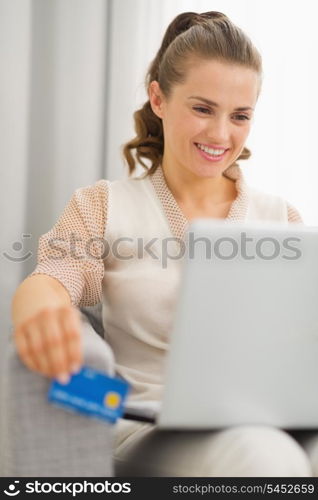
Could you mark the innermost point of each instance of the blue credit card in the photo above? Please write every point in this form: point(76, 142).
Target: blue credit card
point(92, 393)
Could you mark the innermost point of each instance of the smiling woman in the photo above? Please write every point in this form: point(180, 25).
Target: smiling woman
point(203, 86)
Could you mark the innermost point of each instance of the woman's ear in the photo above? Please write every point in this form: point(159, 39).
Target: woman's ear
point(155, 98)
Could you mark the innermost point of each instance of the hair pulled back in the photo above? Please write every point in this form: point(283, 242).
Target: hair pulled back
point(190, 36)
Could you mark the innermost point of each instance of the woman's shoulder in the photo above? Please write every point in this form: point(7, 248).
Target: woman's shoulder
point(274, 205)
point(104, 184)
point(260, 196)
point(91, 192)
point(99, 193)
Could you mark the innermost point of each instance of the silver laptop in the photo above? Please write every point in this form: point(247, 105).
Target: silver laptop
point(244, 347)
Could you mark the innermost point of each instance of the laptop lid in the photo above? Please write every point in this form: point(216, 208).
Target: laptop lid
point(244, 346)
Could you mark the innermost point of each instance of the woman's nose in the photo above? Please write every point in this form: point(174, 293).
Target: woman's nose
point(218, 131)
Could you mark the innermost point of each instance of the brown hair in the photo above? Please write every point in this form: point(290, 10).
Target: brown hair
point(210, 35)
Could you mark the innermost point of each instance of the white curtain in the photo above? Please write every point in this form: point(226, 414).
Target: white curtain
point(53, 81)
point(71, 76)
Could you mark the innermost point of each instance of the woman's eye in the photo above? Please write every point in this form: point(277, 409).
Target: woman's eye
point(206, 110)
point(201, 110)
point(244, 117)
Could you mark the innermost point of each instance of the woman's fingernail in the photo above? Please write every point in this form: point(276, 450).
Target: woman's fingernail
point(63, 378)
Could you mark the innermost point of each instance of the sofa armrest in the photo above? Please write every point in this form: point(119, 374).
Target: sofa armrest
point(39, 439)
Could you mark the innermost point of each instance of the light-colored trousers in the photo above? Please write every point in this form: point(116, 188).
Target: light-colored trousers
point(140, 449)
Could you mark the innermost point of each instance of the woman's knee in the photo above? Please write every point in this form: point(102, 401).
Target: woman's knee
point(243, 451)
point(258, 450)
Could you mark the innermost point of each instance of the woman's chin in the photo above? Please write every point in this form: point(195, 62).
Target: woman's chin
point(208, 171)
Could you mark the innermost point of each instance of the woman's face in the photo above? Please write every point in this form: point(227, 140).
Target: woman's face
point(190, 118)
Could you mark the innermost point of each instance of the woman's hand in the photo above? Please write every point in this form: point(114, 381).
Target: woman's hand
point(49, 342)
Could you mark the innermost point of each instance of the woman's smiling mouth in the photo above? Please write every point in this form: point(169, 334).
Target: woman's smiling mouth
point(209, 153)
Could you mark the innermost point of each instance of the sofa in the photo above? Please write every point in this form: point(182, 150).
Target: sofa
point(39, 439)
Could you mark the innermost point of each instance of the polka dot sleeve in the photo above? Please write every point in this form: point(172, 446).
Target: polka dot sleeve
point(72, 251)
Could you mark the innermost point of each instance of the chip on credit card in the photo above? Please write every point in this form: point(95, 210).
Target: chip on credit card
point(92, 393)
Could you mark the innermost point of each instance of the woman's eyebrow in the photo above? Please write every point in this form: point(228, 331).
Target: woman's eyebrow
point(212, 103)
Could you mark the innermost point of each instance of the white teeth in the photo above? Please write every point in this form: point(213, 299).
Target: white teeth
point(215, 152)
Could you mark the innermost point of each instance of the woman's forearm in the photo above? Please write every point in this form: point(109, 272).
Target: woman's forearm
point(36, 293)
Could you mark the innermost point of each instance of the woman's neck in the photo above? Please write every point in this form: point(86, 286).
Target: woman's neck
point(191, 190)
